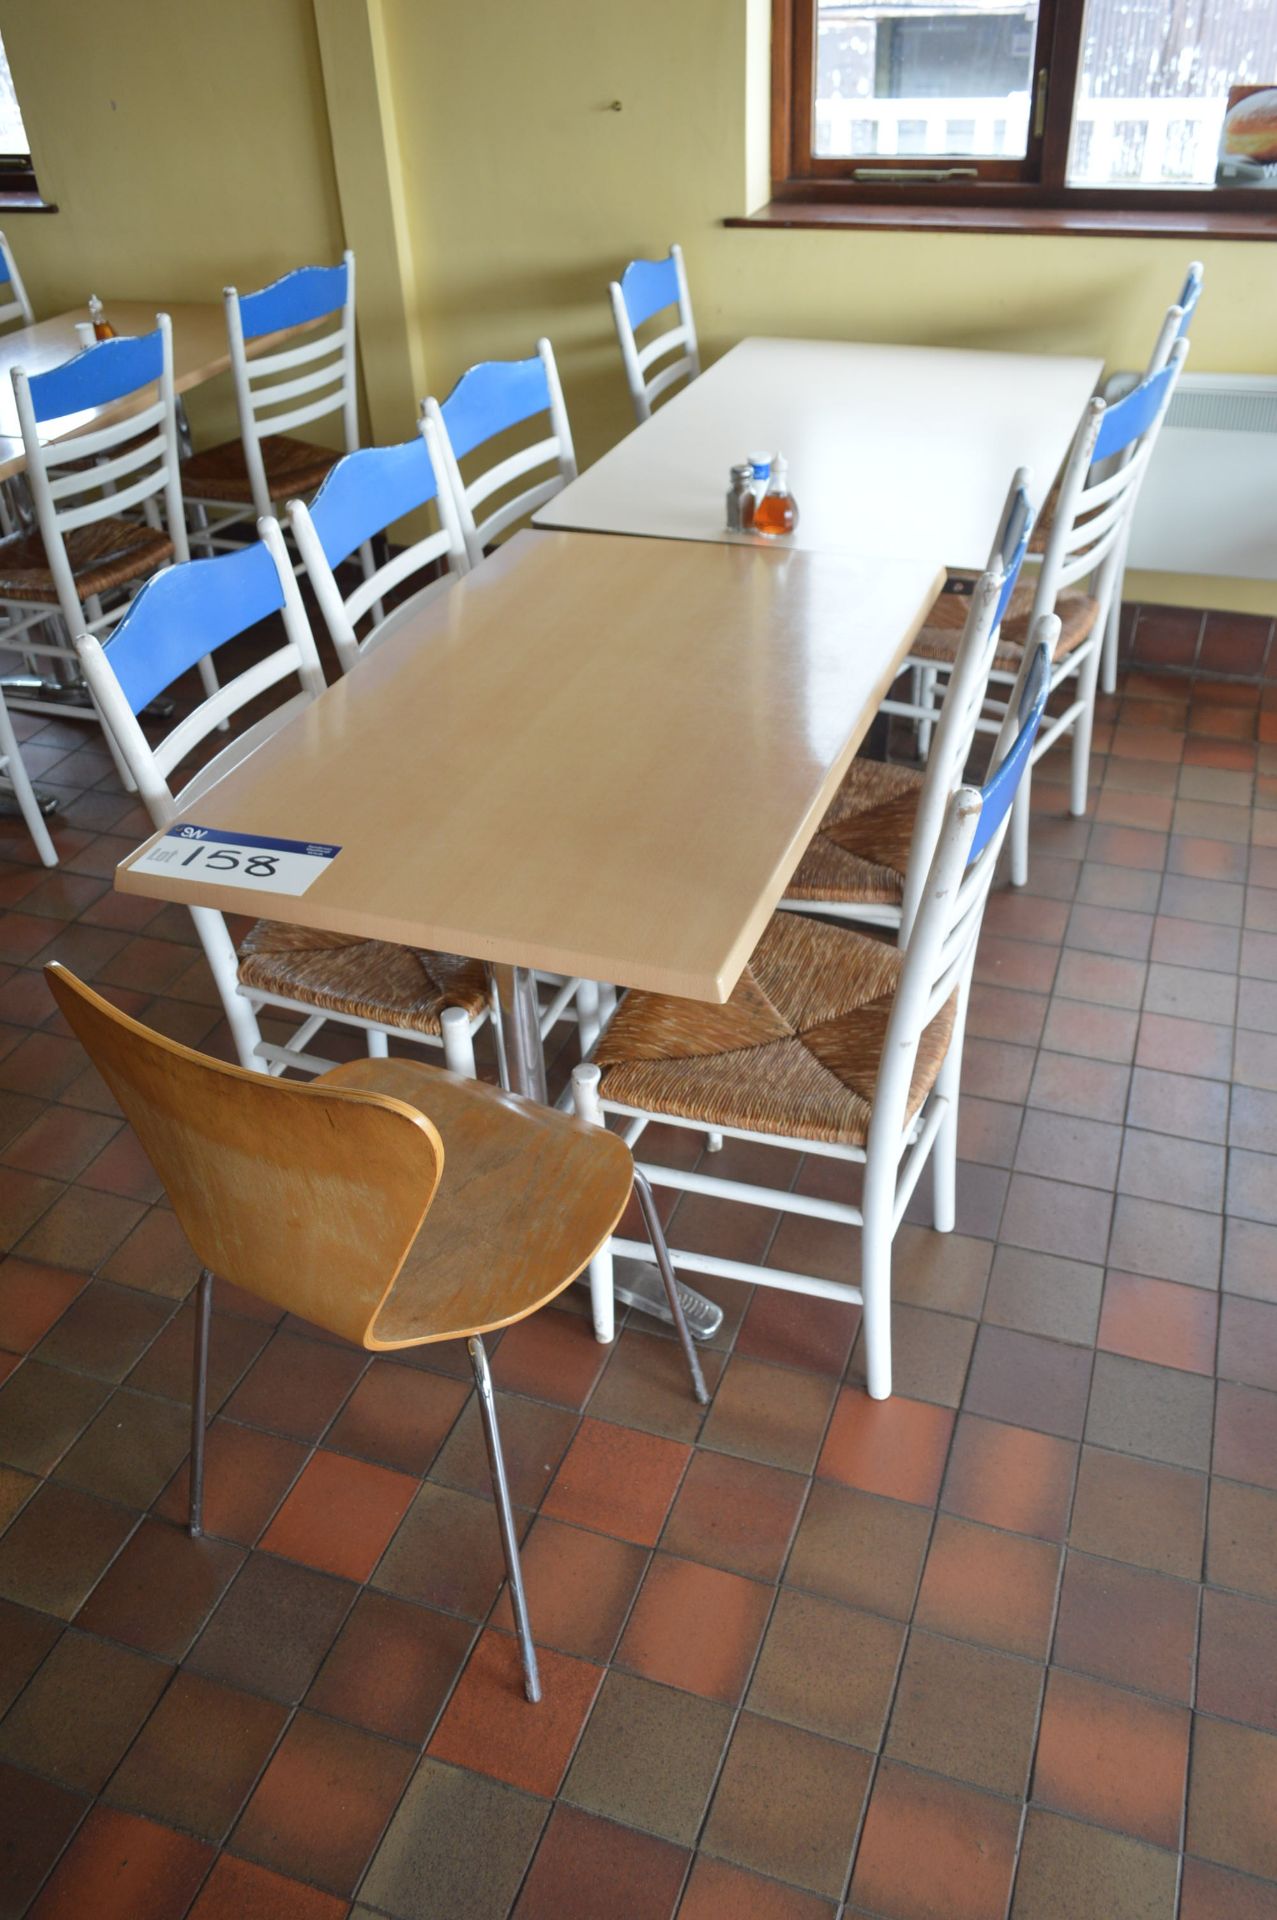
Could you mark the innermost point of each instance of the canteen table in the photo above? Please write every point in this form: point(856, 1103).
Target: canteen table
point(590, 756)
point(891, 450)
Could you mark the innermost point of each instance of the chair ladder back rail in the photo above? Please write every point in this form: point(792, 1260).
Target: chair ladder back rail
point(18, 306)
point(364, 495)
point(488, 400)
point(646, 288)
point(302, 298)
point(1190, 294)
point(73, 481)
point(308, 1196)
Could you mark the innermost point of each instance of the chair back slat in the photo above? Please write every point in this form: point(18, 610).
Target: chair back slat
point(1131, 417)
point(304, 1195)
point(105, 372)
point(492, 397)
point(295, 300)
point(646, 288)
point(998, 790)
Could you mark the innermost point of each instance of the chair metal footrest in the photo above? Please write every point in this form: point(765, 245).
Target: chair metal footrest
point(9, 808)
point(637, 1283)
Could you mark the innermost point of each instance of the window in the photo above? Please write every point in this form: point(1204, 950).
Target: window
point(16, 172)
point(1048, 103)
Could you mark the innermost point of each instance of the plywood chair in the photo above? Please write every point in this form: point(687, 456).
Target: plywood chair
point(645, 289)
point(388, 1203)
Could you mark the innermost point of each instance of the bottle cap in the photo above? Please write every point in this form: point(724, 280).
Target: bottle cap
point(744, 471)
point(780, 467)
point(760, 462)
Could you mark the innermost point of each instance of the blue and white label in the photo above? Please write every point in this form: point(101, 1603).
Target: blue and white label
point(247, 860)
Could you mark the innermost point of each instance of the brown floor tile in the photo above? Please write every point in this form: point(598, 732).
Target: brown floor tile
point(534, 1439)
point(1248, 1342)
point(1038, 1293)
point(391, 1667)
point(946, 1271)
point(43, 1410)
point(933, 1847)
point(273, 1628)
point(1060, 1143)
point(1139, 1511)
point(78, 1714)
point(1246, 1435)
point(1250, 1260)
point(1029, 1382)
point(1010, 1477)
point(447, 1553)
point(788, 1804)
point(1237, 1659)
point(553, 1356)
point(1158, 1412)
point(859, 1549)
point(340, 1515)
point(695, 1627)
point(798, 1330)
point(106, 1331)
point(58, 1547)
point(716, 1891)
point(1164, 1242)
point(965, 1712)
point(238, 1890)
point(25, 1638)
point(1154, 1320)
point(1242, 1539)
point(1112, 1758)
point(1123, 1624)
point(246, 1475)
point(36, 1821)
point(398, 1416)
point(827, 1668)
point(155, 1257)
point(160, 1590)
point(894, 1447)
point(617, 1481)
point(322, 1803)
point(1211, 1893)
point(995, 1588)
point(82, 1229)
point(120, 1867)
point(1090, 1089)
point(1231, 1793)
point(165, 1367)
point(736, 1514)
point(198, 1783)
point(594, 1870)
point(459, 1845)
point(579, 1586)
point(649, 1757)
point(60, 1143)
point(930, 1354)
point(1156, 1166)
point(1177, 1103)
point(489, 1726)
point(32, 1298)
point(130, 1450)
point(1068, 1869)
point(644, 1386)
point(297, 1386)
point(776, 1415)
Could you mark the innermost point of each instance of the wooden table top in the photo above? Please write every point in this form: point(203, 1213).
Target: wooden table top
point(900, 450)
point(592, 755)
point(200, 350)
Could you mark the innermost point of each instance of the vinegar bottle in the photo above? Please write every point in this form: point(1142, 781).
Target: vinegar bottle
point(102, 328)
point(777, 512)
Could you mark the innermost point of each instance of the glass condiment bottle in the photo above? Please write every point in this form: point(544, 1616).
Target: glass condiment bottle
point(761, 466)
point(777, 512)
point(102, 328)
point(740, 499)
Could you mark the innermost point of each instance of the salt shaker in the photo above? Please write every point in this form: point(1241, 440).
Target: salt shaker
point(740, 499)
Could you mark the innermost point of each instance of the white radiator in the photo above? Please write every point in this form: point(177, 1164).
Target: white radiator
point(1209, 499)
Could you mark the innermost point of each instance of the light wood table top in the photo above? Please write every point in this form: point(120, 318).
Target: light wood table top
point(200, 350)
point(900, 450)
point(596, 756)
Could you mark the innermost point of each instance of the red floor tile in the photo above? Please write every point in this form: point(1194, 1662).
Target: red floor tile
point(695, 1627)
point(617, 1481)
point(932, 1846)
point(595, 1870)
point(237, 1890)
point(492, 1728)
point(340, 1515)
point(1112, 1757)
point(894, 1447)
point(120, 1867)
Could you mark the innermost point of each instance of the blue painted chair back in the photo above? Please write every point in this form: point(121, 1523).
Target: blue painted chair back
point(1014, 545)
point(1127, 419)
point(305, 294)
point(647, 286)
point(186, 612)
point(999, 789)
point(1188, 299)
point(104, 372)
point(368, 491)
point(491, 397)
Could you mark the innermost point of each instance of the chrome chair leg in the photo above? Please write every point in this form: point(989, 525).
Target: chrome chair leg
point(509, 1539)
point(660, 1247)
point(199, 1399)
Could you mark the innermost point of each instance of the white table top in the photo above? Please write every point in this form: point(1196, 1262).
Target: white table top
point(899, 450)
point(590, 755)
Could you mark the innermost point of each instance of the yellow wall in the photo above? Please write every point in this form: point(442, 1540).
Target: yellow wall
point(184, 156)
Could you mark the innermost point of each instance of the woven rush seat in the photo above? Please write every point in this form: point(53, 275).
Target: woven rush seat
point(368, 979)
point(795, 1051)
point(292, 466)
point(942, 629)
point(860, 851)
point(105, 554)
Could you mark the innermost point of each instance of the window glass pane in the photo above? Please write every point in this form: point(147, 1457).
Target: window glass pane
point(13, 135)
point(1154, 85)
point(950, 78)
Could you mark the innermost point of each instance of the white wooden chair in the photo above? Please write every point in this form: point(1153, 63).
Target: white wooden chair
point(107, 504)
point(832, 1042)
point(489, 400)
point(870, 855)
point(645, 289)
point(308, 377)
point(1077, 580)
point(14, 776)
point(366, 493)
point(435, 1000)
point(15, 307)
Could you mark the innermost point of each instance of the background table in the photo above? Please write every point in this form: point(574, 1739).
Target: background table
point(891, 450)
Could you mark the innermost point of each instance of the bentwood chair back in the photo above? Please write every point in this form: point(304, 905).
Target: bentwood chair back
point(391, 1205)
point(15, 307)
point(364, 495)
point(308, 378)
point(490, 400)
point(648, 288)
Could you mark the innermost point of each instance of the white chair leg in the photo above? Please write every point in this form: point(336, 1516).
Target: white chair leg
point(585, 1099)
point(928, 700)
point(607, 1001)
point(1112, 631)
point(1019, 835)
point(875, 1281)
point(24, 792)
point(587, 1014)
point(944, 1149)
point(219, 951)
point(458, 1042)
point(378, 1045)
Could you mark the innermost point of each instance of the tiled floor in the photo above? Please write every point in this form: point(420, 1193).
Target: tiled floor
point(1004, 1644)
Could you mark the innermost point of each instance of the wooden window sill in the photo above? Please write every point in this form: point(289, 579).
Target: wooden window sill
point(13, 201)
point(1178, 223)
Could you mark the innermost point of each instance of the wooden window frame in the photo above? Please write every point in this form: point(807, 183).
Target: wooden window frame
point(1033, 185)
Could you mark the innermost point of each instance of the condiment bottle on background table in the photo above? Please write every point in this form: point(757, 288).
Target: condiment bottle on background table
point(102, 328)
point(761, 464)
point(777, 512)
